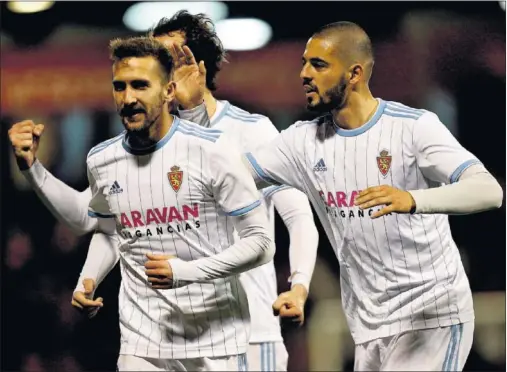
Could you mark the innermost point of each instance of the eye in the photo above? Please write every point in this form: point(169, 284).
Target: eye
point(140, 84)
point(118, 86)
point(318, 65)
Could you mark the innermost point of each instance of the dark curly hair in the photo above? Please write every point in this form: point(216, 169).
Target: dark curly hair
point(200, 37)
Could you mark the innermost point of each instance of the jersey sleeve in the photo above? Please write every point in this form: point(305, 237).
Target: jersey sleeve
point(260, 133)
point(99, 206)
point(233, 187)
point(440, 156)
point(275, 162)
point(68, 205)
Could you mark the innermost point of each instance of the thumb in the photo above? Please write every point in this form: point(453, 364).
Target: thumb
point(202, 68)
point(290, 311)
point(89, 286)
point(155, 257)
point(38, 130)
point(277, 305)
point(152, 257)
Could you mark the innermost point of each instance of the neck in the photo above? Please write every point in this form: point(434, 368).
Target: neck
point(153, 134)
point(358, 109)
point(210, 102)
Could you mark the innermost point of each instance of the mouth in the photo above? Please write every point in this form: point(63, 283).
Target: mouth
point(133, 115)
point(309, 89)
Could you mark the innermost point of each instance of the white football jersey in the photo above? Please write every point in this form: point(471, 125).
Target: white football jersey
point(174, 199)
point(249, 131)
point(399, 272)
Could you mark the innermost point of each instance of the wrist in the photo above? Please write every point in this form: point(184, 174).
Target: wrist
point(300, 291)
point(183, 272)
point(300, 279)
point(417, 201)
point(24, 164)
point(35, 174)
point(413, 205)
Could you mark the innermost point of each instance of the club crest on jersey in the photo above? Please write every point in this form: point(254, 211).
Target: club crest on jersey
point(175, 177)
point(384, 162)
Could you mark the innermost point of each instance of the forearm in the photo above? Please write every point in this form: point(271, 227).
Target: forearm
point(103, 254)
point(68, 205)
point(296, 213)
point(254, 248)
point(476, 191)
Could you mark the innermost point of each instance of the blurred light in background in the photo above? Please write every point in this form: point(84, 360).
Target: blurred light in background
point(243, 33)
point(502, 5)
point(143, 16)
point(29, 6)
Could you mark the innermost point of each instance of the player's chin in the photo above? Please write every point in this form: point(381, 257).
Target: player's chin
point(314, 105)
point(134, 125)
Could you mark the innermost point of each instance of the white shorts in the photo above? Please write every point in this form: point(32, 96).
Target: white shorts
point(435, 349)
point(225, 363)
point(267, 356)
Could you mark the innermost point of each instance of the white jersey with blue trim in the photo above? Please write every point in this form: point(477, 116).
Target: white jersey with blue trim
point(174, 199)
point(249, 131)
point(399, 272)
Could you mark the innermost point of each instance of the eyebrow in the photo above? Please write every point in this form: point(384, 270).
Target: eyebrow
point(314, 59)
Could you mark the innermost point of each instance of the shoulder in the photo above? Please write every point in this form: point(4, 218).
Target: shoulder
point(304, 128)
point(310, 124)
point(248, 128)
point(242, 120)
point(241, 116)
point(197, 133)
point(406, 113)
point(105, 149)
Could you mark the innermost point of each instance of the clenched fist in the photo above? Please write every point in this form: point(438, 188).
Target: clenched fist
point(159, 271)
point(291, 304)
point(84, 301)
point(24, 137)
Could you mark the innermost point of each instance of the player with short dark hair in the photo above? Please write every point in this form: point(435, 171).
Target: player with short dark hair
point(382, 178)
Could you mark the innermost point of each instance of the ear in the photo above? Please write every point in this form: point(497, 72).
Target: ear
point(170, 91)
point(356, 73)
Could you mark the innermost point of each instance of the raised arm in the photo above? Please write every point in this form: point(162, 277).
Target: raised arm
point(68, 205)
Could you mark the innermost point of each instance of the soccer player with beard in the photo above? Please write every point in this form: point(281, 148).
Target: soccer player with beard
point(167, 187)
point(266, 350)
point(383, 177)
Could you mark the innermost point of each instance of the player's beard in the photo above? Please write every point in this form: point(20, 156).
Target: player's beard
point(151, 115)
point(139, 135)
point(332, 99)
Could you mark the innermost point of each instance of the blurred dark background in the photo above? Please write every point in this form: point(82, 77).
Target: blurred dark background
point(445, 57)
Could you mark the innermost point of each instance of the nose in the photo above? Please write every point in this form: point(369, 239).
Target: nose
point(129, 97)
point(304, 73)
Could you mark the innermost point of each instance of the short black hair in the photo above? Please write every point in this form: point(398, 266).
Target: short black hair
point(200, 37)
point(362, 43)
point(141, 46)
point(355, 43)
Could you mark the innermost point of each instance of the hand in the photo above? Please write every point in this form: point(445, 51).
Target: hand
point(189, 77)
point(24, 137)
point(159, 271)
point(395, 200)
point(84, 300)
point(291, 304)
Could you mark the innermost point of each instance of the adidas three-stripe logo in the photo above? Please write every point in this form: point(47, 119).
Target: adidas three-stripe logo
point(320, 166)
point(115, 189)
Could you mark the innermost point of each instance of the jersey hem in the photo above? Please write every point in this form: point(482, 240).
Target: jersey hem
point(184, 353)
point(412, 326)
point(263, 337)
